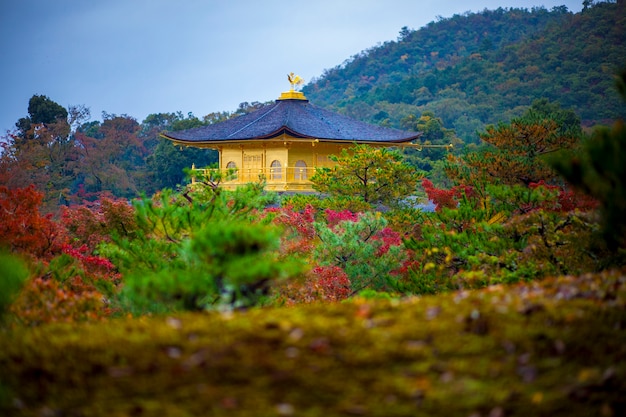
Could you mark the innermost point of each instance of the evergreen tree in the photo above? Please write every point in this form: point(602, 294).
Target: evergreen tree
point(599, 170)
point(372, 175)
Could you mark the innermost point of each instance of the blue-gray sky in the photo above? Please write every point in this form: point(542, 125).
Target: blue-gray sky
point(138, 57)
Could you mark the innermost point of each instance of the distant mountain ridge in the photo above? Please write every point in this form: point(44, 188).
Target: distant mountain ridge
point(476, 69)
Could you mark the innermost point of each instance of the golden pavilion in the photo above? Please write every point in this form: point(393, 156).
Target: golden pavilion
point(285, 141)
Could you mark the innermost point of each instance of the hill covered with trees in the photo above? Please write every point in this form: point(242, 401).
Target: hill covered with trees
point(476, 69)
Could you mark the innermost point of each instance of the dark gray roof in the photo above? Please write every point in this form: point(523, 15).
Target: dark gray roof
point(298, 118)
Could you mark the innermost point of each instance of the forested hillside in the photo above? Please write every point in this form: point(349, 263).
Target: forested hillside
point(476, 69)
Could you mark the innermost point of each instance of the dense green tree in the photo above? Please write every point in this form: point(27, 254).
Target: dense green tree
point(14, 274)
point(168, 163)
point(516, 151)
point(41, 152)
point(41, 110)
point(203, 248)
point(599, 170)
point(567, 119)
point(357, 247)
point(373, 175)
point(433, 133)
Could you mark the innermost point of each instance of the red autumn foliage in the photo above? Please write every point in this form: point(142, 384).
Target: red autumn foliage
point(300, 231)
point(301, 222)
point(330, 283)
point(447, 198)
point(23, 229)
point(333, 218)
point(69, 291)
point(93, 267)
point(567, 200)
point(321, 284)
point(93, 222)
point(46, 300)
point(389, 238)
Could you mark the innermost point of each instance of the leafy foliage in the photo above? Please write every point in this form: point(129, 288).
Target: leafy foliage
point(598, 170)
point(476, 69)
point(320, 284)
point(73, 286)
point(373, 175)
point(13, 274)
point(445, 198)
point(168, 163)
point(517, 233)
point(44, 301)
point(517, 150)
point(298, 229)
point(23, 229)
point(433, 133)
point(40, 152)
point(299, 202)
point(197, 250)
point(361, 246)
point(94, 222)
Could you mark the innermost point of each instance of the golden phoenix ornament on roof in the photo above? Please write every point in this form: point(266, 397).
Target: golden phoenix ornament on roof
point(294, 80)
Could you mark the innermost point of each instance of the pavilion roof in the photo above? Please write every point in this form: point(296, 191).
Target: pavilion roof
point(295, 117)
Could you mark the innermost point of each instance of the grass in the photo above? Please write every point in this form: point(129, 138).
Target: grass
point(550, 348)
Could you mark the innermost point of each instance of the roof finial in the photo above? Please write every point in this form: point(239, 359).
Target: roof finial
point(295, 80)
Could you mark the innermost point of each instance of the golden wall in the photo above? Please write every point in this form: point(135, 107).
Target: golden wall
point(289, 152)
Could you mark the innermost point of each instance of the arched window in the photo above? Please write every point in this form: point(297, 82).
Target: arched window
point(231, 170)
point(276, 172)
point(300, 171)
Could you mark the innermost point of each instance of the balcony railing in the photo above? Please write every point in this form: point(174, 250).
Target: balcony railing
point(279, 179)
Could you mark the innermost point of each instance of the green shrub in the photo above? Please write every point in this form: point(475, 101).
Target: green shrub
point(13, 274)
point(598, 170)
point(202, 249)
point(365, 249)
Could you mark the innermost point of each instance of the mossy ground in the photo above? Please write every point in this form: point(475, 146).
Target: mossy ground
point(552, 348)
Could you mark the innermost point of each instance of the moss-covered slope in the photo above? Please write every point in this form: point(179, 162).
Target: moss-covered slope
point(551, 348)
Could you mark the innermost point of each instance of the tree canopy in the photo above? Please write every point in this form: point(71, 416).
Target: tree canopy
point(373, 175)
point(41, 110)
point(516, 151)
point(477, 69)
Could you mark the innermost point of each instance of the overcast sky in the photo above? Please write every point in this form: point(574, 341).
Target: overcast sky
point(138, 57)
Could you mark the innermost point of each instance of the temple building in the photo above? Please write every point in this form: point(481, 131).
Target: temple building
point(285, 141)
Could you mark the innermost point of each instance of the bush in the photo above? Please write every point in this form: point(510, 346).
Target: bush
point(598, 170)
point(13, 274)
point(201, 249)
point(362, 246)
